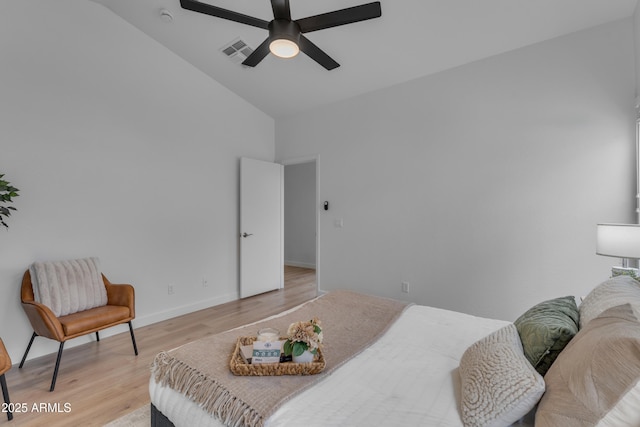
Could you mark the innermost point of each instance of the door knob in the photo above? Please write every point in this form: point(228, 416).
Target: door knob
point(247, 234)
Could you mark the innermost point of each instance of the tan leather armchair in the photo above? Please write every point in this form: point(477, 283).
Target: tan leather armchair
point(120, 309)
point(5, 365)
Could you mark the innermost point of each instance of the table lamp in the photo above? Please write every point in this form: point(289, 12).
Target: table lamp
point(620, 241)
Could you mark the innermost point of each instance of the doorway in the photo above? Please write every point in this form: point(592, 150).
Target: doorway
point(301, 206)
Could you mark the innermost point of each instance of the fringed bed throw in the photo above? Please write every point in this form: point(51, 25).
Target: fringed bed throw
point(200, 370)
point(68, 286)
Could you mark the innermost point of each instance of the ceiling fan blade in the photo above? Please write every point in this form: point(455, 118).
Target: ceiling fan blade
point(317, 54)
point(340, 17)
point(281, 9)
point(207, 9)
point(258, 54)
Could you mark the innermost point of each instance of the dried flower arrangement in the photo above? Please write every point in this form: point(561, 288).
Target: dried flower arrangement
point(303, 336)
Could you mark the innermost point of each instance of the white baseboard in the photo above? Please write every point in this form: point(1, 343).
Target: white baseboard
point(300, 264)
point(184, 309)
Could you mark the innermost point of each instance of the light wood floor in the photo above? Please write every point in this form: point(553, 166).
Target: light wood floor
point(102, 381)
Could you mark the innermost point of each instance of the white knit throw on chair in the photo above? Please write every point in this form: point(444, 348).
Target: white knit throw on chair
point(68, 286)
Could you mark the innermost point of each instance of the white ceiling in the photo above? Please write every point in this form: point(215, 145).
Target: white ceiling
point(413, 38)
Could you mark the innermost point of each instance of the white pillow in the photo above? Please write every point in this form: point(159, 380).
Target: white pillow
point(68, 286)
point(499, 385)
point(616, 291)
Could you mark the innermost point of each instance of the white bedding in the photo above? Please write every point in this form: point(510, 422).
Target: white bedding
point(407, 378)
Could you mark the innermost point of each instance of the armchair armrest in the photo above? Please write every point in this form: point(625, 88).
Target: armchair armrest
point(123, 295)
point(43, 321)
point(5, 361)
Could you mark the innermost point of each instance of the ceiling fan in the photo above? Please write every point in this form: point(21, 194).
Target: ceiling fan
point(285, 35)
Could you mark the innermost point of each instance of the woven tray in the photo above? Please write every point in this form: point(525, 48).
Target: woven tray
point(239, 367)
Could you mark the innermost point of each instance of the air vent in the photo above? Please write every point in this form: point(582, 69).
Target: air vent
point(239, 45)
point(237, 51)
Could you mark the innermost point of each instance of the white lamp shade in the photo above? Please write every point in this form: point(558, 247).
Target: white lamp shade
point(618, 240)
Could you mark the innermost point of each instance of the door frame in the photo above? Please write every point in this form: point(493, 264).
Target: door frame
point(309, 159)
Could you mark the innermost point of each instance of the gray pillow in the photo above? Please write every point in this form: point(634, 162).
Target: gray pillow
point(499, 385)
point(546, 328)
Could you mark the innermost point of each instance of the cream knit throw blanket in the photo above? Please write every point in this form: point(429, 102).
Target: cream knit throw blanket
point(68, 286)
point(200, 370)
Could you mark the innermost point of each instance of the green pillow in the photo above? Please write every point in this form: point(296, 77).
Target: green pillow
point(546, 328)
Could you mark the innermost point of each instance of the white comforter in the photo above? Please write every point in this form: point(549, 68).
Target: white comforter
point(407, 378)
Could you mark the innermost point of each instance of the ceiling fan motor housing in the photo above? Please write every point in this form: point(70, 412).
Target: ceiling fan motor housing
point(283, 29)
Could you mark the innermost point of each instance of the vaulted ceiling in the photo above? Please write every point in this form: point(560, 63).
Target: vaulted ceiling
point(413, 38)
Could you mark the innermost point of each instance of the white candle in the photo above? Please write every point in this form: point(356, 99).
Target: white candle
point(268, 335)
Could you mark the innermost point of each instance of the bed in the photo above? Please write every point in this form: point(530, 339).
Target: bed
point(422, 366)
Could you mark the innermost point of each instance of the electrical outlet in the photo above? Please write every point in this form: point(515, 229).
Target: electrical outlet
point(170, 290)
point(405, 287)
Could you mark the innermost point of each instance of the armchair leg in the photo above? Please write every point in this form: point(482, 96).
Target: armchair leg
point(27, 351)
point(5, 394)
point(133, 339)
point(55, 371)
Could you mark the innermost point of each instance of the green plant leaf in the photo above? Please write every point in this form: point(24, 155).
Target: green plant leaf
point(299, 348)
point(287, 348)
point(7, 192)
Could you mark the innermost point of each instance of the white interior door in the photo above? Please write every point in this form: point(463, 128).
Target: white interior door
point(261, 227)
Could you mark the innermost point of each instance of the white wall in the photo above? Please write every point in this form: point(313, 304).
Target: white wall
point(636, 39)
point(481, 186)
point(300, 214)
point(123, 151)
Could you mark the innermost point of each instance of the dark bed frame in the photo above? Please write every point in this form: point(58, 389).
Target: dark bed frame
point(158, 419)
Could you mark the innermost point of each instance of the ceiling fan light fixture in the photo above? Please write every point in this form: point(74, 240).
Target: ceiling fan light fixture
point(284, 37)
point(283, 48)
